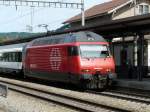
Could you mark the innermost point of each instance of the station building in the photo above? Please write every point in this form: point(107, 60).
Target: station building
point(125, 49)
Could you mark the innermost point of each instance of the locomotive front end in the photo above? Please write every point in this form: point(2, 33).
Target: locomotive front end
point(97, 66)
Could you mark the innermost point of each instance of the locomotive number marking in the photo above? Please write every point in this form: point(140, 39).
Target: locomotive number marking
point(55, 58)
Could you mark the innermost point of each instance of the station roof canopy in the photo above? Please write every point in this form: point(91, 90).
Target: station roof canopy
point(113, 28)
point(100, 10)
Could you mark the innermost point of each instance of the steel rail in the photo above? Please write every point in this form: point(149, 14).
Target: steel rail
point(124, 96)
point(136, 93)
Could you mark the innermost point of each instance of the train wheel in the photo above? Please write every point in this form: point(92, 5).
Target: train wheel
point(103, 85)
point(83, 84)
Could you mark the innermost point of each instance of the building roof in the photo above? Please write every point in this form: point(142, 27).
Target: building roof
point(98, 10)
point(130, 26)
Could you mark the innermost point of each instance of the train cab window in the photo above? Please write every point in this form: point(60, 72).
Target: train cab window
point(94, 51)
point(73, 51)
point(105, 54)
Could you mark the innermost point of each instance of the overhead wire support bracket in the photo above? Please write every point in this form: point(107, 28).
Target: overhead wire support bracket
point(41, 4)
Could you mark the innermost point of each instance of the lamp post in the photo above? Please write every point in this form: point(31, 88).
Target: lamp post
point(135, 2)
point(82, 11)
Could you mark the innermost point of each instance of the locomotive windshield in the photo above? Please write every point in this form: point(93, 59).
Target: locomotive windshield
point(94, 51)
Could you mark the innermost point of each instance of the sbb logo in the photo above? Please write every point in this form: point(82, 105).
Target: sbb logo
point(55, 58)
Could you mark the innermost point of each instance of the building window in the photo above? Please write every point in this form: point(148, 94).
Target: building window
point(143, 9)
point(146, 9)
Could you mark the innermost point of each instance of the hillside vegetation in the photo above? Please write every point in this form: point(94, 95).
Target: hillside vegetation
point(15, 35)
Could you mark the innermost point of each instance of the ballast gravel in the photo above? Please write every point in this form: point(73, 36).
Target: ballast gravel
point(17, 102)
point(110, 101)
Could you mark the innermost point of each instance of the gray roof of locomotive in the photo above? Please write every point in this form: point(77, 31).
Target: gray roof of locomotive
point(85, 36)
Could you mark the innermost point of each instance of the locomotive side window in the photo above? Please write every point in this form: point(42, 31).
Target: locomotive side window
point(94, 51)
point(73, 51)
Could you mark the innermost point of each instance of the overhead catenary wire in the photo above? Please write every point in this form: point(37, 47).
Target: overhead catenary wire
point(49, 23)
point(54, 4)
point(39, 3)
point(12, 21)
point(19, 17)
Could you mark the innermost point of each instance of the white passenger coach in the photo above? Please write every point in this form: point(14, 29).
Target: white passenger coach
point(11, 58)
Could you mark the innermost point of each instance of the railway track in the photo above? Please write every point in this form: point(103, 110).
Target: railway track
point(82, 104)
point(68, 101)
point(138, 98)
point(137, 93)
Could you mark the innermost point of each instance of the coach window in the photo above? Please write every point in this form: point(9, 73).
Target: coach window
point(1, 56)
point(6, 57)
point(13, 56)
point(9, 57)
point(19, 56)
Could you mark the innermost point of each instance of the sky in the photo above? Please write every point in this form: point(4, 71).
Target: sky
point(14, 19)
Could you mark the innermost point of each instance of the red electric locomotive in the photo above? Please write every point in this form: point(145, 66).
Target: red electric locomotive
point(81, 58)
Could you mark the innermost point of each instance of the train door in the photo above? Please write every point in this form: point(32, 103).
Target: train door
point(19, 59)
point(73, 53)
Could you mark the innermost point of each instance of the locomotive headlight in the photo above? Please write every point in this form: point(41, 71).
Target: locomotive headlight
point(85, 70)
point(108, 70)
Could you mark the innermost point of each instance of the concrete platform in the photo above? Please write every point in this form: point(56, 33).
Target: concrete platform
point(133, 84)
